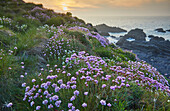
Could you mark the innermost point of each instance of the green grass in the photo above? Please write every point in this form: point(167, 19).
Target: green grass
point(29, 39)
point(30, 44)
point(132, 98)
point(56, 21)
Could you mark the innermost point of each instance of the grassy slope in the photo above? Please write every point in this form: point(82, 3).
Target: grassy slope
point(31, 42)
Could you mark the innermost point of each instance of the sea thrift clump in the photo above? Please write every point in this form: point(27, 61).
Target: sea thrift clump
point(91, 75)
point(38, 14)
point(104, 42)
point(57, 48)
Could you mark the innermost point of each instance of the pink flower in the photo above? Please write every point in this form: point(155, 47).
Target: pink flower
point(32, 103)
point(70, 104)
point(45, 102)
point(50, 106)
point(84, 105)
point(33, 80)
point(103, 102)
point(23, 84)
point(76, 92)
point(86, 93)
point(22, 76)
point(104, 85)
point(38, 107)
point(15, 48)
point(9, 105)
point(109, 105)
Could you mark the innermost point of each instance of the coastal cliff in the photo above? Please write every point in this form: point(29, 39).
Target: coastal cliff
point(53, 61)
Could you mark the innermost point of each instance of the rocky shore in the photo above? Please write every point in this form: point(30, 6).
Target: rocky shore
point(155, 52)
point(104, 30)
point(162, 30)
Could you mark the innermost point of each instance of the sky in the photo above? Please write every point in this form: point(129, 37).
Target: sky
point(109, 7)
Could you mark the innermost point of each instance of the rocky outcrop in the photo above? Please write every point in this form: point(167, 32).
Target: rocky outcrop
point(103, 29)
point(136, 34)
point(155, 52)
point(156, 38)
point(103, 33)
point(168, 30)
point(113, 36)
point(160, 30)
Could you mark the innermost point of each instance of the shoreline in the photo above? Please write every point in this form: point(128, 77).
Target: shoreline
point(155, 51)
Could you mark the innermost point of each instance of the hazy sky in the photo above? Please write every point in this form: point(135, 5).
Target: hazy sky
point(109, 7)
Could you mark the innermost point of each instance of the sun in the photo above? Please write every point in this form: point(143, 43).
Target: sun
point(64, 7)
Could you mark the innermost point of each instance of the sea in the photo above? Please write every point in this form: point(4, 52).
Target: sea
point(147, 23)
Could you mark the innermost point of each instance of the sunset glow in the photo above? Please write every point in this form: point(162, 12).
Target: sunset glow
point(84, 55)
point(109, 7)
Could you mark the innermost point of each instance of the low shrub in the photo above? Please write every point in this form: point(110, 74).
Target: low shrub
point(69, 19)
point(80, 37)
point(95, 42)
point(135, 97)
point(7, 38)
point(56, 21)
point(29, 22)
point(69, 14)
point(103, 52)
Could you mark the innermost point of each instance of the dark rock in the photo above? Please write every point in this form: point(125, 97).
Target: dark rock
point(103, 29)
point(160, 30)
point(150, 36)
point(103, 33)
point(37, 50)
point(155, 52)
point(113, 37)
point(168, 30)
point(89, 24)
point(136, 34)
point(121, 41)
point(156, 38)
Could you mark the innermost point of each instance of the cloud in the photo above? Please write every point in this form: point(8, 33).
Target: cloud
point(161, 0)
point(70, 4)
point(84, 4)
point(133, 3)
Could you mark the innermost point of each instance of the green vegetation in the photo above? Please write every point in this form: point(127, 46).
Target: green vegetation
point(65, 65)
point(56, 21)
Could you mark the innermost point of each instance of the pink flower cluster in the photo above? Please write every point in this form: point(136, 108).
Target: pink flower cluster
point(135, 73)
point(54, 84)
point(104, 42)
point(56, 48)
